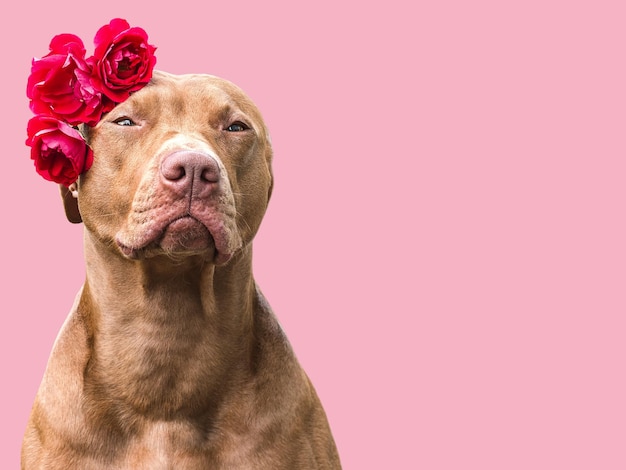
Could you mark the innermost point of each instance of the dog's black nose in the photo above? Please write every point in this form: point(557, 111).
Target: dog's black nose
point(189, 170)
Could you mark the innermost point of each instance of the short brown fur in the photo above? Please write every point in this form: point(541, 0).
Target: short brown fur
point(171, 358)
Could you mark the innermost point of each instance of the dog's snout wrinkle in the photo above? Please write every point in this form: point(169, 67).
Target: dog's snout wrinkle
point(188, 171)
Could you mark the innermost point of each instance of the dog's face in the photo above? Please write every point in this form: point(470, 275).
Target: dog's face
point(181, 167)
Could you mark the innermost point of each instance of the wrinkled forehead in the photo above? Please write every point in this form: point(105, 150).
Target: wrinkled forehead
point(207, 96)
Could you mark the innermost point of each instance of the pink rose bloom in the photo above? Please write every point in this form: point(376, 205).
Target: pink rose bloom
point(123, 60)
point(58, 150)
point(60, 84)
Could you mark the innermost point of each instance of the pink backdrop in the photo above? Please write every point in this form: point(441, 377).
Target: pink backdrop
point(445, 246)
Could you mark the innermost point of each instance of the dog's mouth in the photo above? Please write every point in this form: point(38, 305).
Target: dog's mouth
point(186, 234)
point(182, 236)
point(180, 224)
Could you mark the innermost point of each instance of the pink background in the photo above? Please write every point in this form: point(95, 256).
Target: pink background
point(445, 246)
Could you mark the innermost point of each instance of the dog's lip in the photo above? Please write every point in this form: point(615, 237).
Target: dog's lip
point(151, 245)
point(170, 237)
point(186, 234)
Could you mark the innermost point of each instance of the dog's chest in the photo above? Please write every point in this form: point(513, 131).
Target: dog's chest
point(167, 445)
point(176, 445)
point(156, 444)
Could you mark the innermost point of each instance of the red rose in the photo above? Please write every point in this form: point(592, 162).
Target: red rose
point(123, 60)
point(58, 150)
point(60, 84)
point(66, 89)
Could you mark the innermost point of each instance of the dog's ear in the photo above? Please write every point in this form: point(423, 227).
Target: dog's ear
point(269, 155)
point(70, 203)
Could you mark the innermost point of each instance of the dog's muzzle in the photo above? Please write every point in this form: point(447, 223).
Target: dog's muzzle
point(185, 207)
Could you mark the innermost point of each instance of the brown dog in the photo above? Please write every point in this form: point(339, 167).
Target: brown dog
point(171, 358)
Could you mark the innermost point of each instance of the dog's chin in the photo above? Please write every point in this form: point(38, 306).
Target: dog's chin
point(186, 235)
point(181, 238)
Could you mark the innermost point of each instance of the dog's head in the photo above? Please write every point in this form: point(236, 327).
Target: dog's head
point(181, 167)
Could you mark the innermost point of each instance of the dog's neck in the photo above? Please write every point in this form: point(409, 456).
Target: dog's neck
point(177, 322)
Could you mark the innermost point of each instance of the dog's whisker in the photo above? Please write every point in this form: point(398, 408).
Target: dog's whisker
point(245, 222)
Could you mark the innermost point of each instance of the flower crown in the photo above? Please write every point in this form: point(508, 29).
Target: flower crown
point(66, 89)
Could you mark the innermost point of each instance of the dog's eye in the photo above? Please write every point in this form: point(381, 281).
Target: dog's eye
point(237, 127)
point(124, 121)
